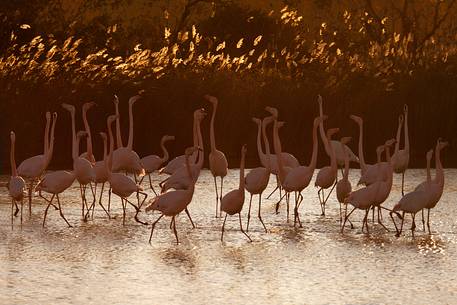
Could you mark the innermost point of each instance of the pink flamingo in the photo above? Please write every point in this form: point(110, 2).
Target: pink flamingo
point(400, 158)
point(16, 185)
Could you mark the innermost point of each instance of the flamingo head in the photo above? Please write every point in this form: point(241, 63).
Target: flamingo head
point(68, 107)
point(345, 140)
point(190, 150)
point(111, 119)
point(319, 99)
point(48, 115)
point(103, 135)
point(213, 100)
point(116, 100)
point(281, 124)
point(257, 121)
point(400, 119)
point(133, 99)
point(356, 119)
point(200, 114)
point(88, 105)
point(12, 136)
point(405, 109)
point(441, 144)
point(319, 119)
point(331, 132)
point(244, 149)
point(429, 155)
point(390, 142)
point(273, 111)
point(166, 138)
point(54, 115)
point(80, 134)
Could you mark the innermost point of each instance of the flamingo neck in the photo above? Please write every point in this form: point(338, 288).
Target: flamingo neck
point(266, 142)
point(243, 156)
point(313, 161)
point(51, 142)
point(200, 144)
point(46, 136)
point(346, 163)
point(429, 176)
point(164, 150)
point(189, 173)
point(195, 154)
point(118, 127)
point(361, 157)
point(73, 132)
point(89, 136)
point(259, 146)
point(12, 158)
point(109, 159)
point(397, 138)
point(439, 173)
point(322, 132)
point(130, 140)
point(406, 133)
point(277, 146)
point(211, 134)
point(333, 164)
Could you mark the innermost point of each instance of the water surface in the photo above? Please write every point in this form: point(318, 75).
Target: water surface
point(103, 262)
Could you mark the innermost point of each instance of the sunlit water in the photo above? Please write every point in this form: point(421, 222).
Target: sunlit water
point(103, 262)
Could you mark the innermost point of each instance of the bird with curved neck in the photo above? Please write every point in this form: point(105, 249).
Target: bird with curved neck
point(217, 161)
point(82, 168)
point(343, 186)
point(122, 185)
point(288, 159)
point(179, 179)
point(124, 157)
point(16, 184)
point(400, 158)
point(436, 185)
point(174, 202)
point(151, 163)
point(232, 202)
point(89, 153)
point(326, 177)
point(299, 178)
point(414, 201)
point(340, 151)
point(256, 181)
point(33, 168)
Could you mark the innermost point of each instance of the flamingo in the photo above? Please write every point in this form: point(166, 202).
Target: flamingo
point(151, 163)
point(340, 151)
point(256, 180)
point(368, 171)
point(232, 202)
point(121, 185)
point(174, 202)
point(179, 179)
point(101, 176)
point(400, 158)
point(343, 186)
point(298, 178)
point(56, 183)
point(436, 185)
point(33, 168)
point(288, 159)
point(124, 158)
point(82, 167)
point(217, 161)
point(16, 185)
point(326, 177)
point(415, 201)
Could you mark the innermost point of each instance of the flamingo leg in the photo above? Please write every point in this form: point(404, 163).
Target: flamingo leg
point(217, 196)
point(47, 208)
point(365, 221)
point(174, 230)
point(298, 199)
point(277, 203)
point(379, 220)
point(241, 228)
point(190, 218)
point(152, 227)
point(413, 225)
point(423, 220)
point(100, 201)
point(249, 213)
point(12, 209)
point(346, 217)
point(260, 217)
point(82, 200)
point(137, 208)
point(22, 205)
point(403, 184)
point(223, 226)
point(123, 211)
point(150, 184)
point(287, 202)
point(428, 221)
point(109, 199)
point(272, 192)
point(30, 196)
point(328, 195)
point(60, 211)
point(220, 197)
point(17, 208)
point(401, 226)
point(393, 220)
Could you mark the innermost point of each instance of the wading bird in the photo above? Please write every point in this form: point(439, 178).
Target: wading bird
point(400, 158)
point(232, 202)
point(16, 184)
point(343, 186)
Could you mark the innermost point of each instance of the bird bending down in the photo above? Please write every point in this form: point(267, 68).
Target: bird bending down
point(343, 186)
point(174, 202)
point(232, 202)
point(16, 184)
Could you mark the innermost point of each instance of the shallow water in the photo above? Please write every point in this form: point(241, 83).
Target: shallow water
point(103, 262)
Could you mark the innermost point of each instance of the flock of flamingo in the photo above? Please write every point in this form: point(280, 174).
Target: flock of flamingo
point(177, 190)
